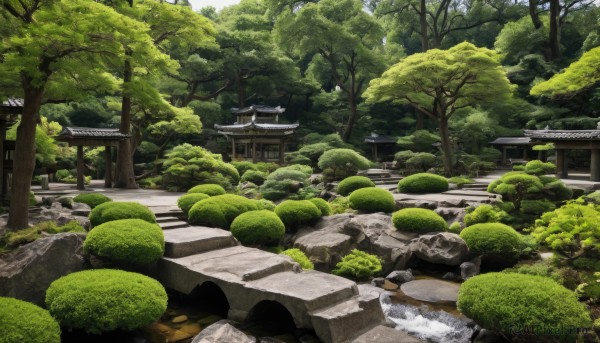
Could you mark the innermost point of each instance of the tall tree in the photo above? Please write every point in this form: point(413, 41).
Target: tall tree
point(440, 82)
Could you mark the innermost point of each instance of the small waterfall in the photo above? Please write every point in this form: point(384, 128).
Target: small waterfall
point(433, 326)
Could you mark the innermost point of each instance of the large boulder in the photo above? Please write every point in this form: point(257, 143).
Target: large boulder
point(28, 271)
point(222, 332)
point(324, 249)
point(444, 248)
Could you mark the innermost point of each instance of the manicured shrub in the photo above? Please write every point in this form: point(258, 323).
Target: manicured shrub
point(264, 204)
point(511, 303)
point(322, 205)
point(543, 268)
point(537, 207)
point(92, 199)
point(299, 256)
point(220, 210)
point(126, 242)
point(455, 228)
point(285, 181)
point(254, 176)
point(352, 183)
point(115, 210)
point(338, 164)
point(208, 189)
point(105, 300)
point(515, 186)
point(244, 166)
point(423, 183)
point(261, 227)
point(421, 161)
point(358, 265)
point(340, 205)
point(296, 212)
point(185, 202)
point(418, 220)
point(497, 243)
point(537, 167)
point(485, 213)
point(372, 199)
point(21, 321)
point(62, 174)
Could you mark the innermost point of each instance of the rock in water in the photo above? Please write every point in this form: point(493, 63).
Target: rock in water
point(444, 247)
point(222, 332)
point(431, 290)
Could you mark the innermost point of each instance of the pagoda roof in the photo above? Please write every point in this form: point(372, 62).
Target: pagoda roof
point(256, 126)
point(258, 109)
point(573, 135)
point(88, 136)
point(12, 103)
point(512, 141)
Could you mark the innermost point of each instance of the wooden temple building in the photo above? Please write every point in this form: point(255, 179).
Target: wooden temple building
point(10, 109)
point(381, 146)
point(257, 134)
point(514, 149)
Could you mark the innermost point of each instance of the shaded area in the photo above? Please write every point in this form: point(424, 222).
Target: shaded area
point(210, 298)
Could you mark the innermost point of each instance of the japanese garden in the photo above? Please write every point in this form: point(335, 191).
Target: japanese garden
point(299, 171)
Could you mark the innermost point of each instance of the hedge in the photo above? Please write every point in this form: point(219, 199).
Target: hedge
point(115, 210)
point(105, 300)
point(220, 210)
point(323, 206)
point(423, 183)
point(297, 212)
point(261, 227)
point(92, 199)
point(185, 202)
point(352, 183)
point(496, 242)
point(372, 199)
point(21, 321)
point(208, 189)
point(299, 256)
point(418, 220)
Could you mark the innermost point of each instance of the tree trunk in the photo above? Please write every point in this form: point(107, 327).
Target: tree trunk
point(554, 37)
point(125, 177)
point(420, 120)
point(533, 13)
point(24, 158)
point(423, 26)
point(446, 145)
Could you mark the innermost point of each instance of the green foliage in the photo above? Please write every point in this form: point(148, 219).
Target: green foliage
point(264, 204)
point(372, 199)
point(314, 151)
point(186, 201)
point(262, 227)
point(352, 183)
point(126, 242)
point(358, 265)
point(115, 210)
point(460, 180)
point(208, 189)
point(340, 163)
point(340, 205)
point(543, 268)
point(14, 239)
point(322, 205)
point(520, 38)
point(485, 213)
point(92, 199)
point(536, 207)
point(514, 186)
point(421, 161)
point(299, 256)
point(418, 220)
point(419, 141)
point(26, 322)
point(285, 181)
point(455, 228)
point(105, 300)
point(537, 167)
point(243, 166)
point(294, 213)
point(62, 174)
point(423, 183)
point(497, 243)
point(31, 199)
point(220, 210)
point(504, 302)
point(254, 176)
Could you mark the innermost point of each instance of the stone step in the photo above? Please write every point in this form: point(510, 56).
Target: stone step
point(173, 225)
point(384, 334)
point(167, 211)
point(167, 219)
point(195, 240)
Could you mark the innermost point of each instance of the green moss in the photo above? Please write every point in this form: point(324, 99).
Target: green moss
point(16, 238)
point(497, 243)
point(254, 176)
point(455, 228)
point(21, 321)
point(185, 202)
point(418, 220)
point(264, 204)
point(372, 199)
point(126, 242)
point(537, 207)
point(297, 212)
point(115, 210)
point(460, 180)
point(485, 213)
point(340, 205)
point(358, 265)
point(92, 199)
point(510, 303)
point(543, 268)
point(260, 227)
point(105, 300)
point(423, 183)
point(352, 183)
point(220, 210)
point(299, 256)
point(208, 189)
point(322, 205)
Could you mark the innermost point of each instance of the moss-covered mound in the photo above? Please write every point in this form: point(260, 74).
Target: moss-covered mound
point(220, 210)
point(262, 227)
point(92, 199)
point(115, 210)
point(126, 242)
point(106, 300)
point(21, 322)
point(512, 304)
point(255, 176)
point(210, 189)
point(297, 212)
point(352, 183)
point(323, 206)
point(372, 199)
point(418, 220)
point(497, 243)
point(358, 265)
point(299, 256)
point(185, 202)
point(423, 183)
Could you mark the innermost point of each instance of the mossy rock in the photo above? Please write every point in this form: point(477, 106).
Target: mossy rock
point(323, 206)
point(358, 265)
point(92, 199)
point(352, 183)
point(220, 211)
point(185, 202)
point(497, 243)
point(372, 199)
point(126, 242)
point(418, 220)
point(423, 183)
point(115, 210)
point(294, 213)
point(299, 256)
point(261, 227)
point(22, 322)
point(208, 189)
point(103, 300)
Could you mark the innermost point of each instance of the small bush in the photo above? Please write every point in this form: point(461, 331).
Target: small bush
point(322, 205)
point(485, 213)
point(220, 210)
point(92, 199)
point(537, 167)
point(208, 189)
point(418, 220)
point(254, 176)
point(260, 227)
point(423, 183)
point(185, 202)
point(62, 174)
point(421, 161)
point(340, 205)
point(358, 265)
point(537, 207)
point(297, 212)
point(115, 210)
point(460, 180)
point(264, 204)
point(504, 302)
point(455, 228)
point(243, 166)
point(496, 242)
point(21, 321)
point(285, 181)
point(299, 256)
point(352, 183)
point(372, 199)
point(540, 269)
point(126, 242)
point(105, 300)
point(338, 164)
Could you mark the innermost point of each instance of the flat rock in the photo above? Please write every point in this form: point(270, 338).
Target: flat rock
point(432, 291)
point(384, 334)
point(444, 248)
point(222, 332)
point(324, 249)
point(196, 239)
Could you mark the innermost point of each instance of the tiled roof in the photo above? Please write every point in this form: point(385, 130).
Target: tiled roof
point(90, 132)
point(380, 139)
point(258, 109)
point(255, 125)
point(12, 103)
point(512, 141)
point(563, 134)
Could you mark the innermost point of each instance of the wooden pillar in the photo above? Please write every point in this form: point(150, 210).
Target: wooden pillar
point(561, 164)
point(375, 152)
point(504, 155)
point(281, 151)
point(232, 149)
point(253, 150)
point(108, 166)
point(595, 165)
point(80, 182)
point(3, 188)
point(525, 153)
point(262, 152)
